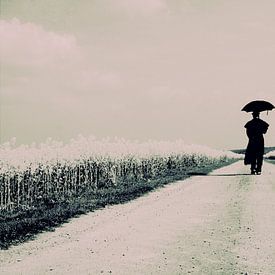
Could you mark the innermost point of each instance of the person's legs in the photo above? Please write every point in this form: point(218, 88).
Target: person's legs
point(259, 164)
point(253, 165)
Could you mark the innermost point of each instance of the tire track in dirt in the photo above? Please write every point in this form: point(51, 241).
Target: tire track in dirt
point(257, 239)
point(209, 249)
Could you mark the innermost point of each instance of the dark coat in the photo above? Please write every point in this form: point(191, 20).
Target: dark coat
point(255, 129)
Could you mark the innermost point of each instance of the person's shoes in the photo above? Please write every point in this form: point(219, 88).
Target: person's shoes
point(253, 172)
point(258, 172)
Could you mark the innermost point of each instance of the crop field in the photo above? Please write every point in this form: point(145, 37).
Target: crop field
point(52, 171)
point(42, 186)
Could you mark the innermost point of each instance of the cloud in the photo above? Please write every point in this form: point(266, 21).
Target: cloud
point(138, 7)
point(137, 67)
point(37, 62)
point(97, 80)
point(28, 45)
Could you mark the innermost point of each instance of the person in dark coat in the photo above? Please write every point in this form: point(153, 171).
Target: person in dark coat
point(255, 129)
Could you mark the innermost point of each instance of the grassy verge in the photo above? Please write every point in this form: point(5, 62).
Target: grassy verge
point(21, 226)
point(270, 160)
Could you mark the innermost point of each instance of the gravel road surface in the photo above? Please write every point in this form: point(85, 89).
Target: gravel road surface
point(222, 223)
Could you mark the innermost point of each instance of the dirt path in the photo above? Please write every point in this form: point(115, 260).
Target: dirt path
point(223, 223)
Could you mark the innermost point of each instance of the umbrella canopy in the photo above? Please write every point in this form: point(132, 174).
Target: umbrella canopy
point(258, 106)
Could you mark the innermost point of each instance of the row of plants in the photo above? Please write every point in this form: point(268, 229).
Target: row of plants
point(33, 175)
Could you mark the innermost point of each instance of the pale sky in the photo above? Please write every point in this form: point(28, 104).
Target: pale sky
point(138, 69)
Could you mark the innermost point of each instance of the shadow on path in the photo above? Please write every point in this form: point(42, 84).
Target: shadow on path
point(217, 175)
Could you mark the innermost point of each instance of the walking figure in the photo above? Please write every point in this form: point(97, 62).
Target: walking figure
point(255, 129)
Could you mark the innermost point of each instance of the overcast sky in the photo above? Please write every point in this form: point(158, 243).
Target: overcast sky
point(138, 69)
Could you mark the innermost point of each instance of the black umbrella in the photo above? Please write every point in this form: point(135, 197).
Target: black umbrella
point(258, 106)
